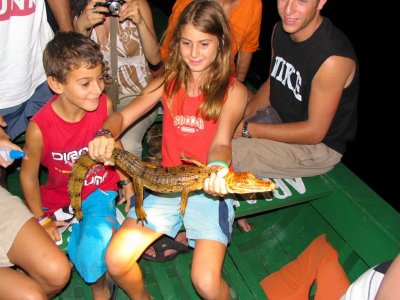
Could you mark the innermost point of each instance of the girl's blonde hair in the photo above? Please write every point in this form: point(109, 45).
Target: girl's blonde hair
point(208, 17)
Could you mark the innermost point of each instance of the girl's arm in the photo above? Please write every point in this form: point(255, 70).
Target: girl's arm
point(127, 189)
point(221, 147)
point(101, 147)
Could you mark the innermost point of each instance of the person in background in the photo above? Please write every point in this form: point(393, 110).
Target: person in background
point(313, 86)
point(56, 136)
point(19, 234)
point(138, 54)
point(24, 32)
point(202, 104)
point(244, 21)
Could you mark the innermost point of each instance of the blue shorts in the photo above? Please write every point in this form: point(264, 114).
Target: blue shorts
point(90, 237)
point(206, 217)
point(17, 117)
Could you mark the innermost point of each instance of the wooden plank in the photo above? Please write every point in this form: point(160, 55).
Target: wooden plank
point(288, 192)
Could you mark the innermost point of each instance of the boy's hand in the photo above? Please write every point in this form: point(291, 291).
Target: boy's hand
point(127, 193)
point(52, 231)
point(101, 148)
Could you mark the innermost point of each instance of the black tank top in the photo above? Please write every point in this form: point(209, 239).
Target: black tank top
point(293, 68)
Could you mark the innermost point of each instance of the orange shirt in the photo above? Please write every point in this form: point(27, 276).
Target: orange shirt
point(244, 21)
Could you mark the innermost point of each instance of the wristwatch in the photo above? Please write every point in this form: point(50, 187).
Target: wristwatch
point(124, 182)
point(245, 131)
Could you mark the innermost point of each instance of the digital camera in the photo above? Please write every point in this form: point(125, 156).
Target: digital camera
point(114, 6)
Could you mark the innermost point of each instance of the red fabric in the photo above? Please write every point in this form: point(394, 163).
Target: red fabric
point(244, 21)
point(186, 133)
point(318, 262)
point(63, 142)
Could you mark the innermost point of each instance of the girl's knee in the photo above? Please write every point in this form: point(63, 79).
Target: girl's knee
point(118, 263)
point(206, 284)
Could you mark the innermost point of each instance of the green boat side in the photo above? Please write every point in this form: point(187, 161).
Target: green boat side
point(357, 222)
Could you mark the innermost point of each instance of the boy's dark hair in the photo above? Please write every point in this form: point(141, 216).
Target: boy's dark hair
point(68, 51)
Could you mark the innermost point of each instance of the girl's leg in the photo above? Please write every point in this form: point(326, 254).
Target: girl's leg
point(208, 258)
point(125, 249)
point(35, 252)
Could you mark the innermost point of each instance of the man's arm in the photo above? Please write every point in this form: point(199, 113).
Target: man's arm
point(327, 86)
point(260, 100)
point(61, 10)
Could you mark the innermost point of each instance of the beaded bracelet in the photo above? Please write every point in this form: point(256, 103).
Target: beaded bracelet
point(218, 163)
point(43, 220)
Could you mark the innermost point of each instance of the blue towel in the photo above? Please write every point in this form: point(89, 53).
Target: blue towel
point(90, 237)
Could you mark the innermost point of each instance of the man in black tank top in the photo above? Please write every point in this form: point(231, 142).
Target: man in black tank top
point(313, 86)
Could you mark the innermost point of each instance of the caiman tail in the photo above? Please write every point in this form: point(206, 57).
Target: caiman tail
point(183, 179)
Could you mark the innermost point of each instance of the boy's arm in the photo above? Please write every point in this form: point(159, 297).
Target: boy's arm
point(30, 169)
point(30, 179)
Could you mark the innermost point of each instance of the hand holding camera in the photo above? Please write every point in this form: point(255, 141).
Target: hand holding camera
point(113, 7)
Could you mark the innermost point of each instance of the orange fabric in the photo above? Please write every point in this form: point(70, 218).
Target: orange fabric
point(318, 262)
point(245, 23)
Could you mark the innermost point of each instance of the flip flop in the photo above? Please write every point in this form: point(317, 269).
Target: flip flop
point(166, 243)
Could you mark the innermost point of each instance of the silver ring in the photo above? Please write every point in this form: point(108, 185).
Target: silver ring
point(94, 10)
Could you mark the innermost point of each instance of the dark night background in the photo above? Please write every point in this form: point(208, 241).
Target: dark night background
point(371, 155)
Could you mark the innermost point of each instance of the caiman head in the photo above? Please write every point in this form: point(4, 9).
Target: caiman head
point(246, 182)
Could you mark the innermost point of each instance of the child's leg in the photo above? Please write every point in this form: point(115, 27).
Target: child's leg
point(125, 249)
point(100, 289)
point(207, 264)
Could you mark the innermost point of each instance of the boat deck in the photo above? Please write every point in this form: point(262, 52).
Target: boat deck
point(358, 223)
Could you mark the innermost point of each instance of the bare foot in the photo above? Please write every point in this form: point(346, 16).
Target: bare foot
point(244, 225)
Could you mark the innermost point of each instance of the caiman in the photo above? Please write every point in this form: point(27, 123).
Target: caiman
point(183, 179)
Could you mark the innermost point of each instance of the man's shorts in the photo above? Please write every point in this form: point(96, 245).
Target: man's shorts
point(206, 217)
point(17, 117)
point(13, 215)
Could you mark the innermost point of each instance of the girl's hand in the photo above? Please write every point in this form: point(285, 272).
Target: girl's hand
point(101, 148)
point(91, 16)
point(215, 184)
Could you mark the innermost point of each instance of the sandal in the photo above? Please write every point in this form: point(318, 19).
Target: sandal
point(166, 243)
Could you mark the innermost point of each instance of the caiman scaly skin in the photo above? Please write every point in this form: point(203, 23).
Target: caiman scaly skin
point(183, 179)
